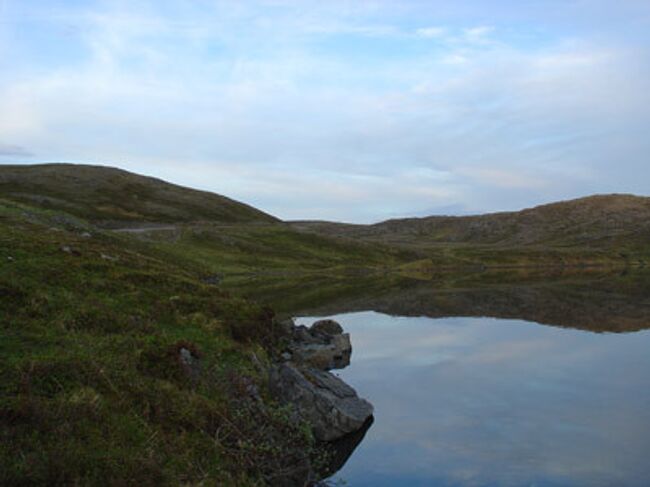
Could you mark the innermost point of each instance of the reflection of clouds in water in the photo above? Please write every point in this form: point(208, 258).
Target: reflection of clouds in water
point(476, 401)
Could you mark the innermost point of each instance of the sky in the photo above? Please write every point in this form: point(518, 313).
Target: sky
point(354, 111)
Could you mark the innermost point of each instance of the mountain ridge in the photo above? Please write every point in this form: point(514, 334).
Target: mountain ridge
point(577, 221)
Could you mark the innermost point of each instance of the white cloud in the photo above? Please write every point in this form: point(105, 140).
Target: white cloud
point(478, 33)
point(435, 32)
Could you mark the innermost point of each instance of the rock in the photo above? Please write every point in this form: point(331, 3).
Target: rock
point(213, 279)
point(341, 449)
point(323, 346)
point(328, 404)
point(301, 334)
point(69, 250)
point(334, 354)
point(190, 362)
point(86, 235)
point(257, 363)
point(327, 327)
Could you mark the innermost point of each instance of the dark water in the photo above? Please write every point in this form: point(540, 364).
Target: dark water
point(493, 380)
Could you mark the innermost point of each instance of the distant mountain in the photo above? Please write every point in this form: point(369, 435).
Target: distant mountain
point(595, 221)
point(111, 196)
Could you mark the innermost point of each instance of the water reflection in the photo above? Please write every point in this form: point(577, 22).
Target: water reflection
point(470, 390)
point(474, 401)
point(596, 301)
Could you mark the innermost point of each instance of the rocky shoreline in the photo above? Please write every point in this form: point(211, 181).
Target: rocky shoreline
point(301, 378)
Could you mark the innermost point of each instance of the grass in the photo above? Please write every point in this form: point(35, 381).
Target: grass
point(268, 248)
point(93, 388)
point(113, 197)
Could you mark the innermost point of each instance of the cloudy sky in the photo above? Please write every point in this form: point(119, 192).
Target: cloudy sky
point(348, 110)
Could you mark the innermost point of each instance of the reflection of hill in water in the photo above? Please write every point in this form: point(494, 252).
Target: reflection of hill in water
point(594, 301)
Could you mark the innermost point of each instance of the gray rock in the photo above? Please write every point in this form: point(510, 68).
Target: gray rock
point(323, 346)
point(328, 404)
point(69, 250)
point(334, 353)
point(302, 334)
point(213, 279)
point(190, 362)
point(327, 327)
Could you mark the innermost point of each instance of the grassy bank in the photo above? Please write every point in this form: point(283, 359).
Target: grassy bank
point(121, 367)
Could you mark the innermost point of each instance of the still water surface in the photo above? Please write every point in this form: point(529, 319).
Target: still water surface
point(500, 378)
point(491, 401)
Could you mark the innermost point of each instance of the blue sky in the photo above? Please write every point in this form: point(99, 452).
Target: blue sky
point(347, 110)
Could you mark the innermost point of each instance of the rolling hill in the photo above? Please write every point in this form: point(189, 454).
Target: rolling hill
point(616, 224)
point(213, 233)
point(112, 197)
point(222, 234)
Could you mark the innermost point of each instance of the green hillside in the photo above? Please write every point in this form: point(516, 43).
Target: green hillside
point(598, 230)
point(119, 365)
point(113, 197)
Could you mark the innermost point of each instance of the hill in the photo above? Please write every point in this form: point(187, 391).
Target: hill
point(113, 197)
point(120, 365)
point(601, 226)
point(592, 220)
point(211, 232)
point(224, 235)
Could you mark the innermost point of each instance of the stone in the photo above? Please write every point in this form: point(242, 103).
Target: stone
point(328, 404)
point(327, 327)
point(302, 334)
point(213, 279)
point(323, 345)
point(333, 354)
point(69, 250)
point(190, 362)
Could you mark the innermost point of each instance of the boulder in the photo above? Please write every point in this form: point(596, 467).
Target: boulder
point(323, 346)
point(328, 404)
point(333, 353)
point(327, 327)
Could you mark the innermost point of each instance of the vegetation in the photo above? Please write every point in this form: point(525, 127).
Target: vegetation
point(114, 198)
point(120, 367)
point(220, 235)
point(593, 299)
point(598, 230)
point(121, 362)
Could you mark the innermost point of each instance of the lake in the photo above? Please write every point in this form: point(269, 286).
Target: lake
point(495, 381)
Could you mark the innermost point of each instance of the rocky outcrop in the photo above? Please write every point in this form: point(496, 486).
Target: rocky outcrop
point(328, 404)
point(323, 346)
